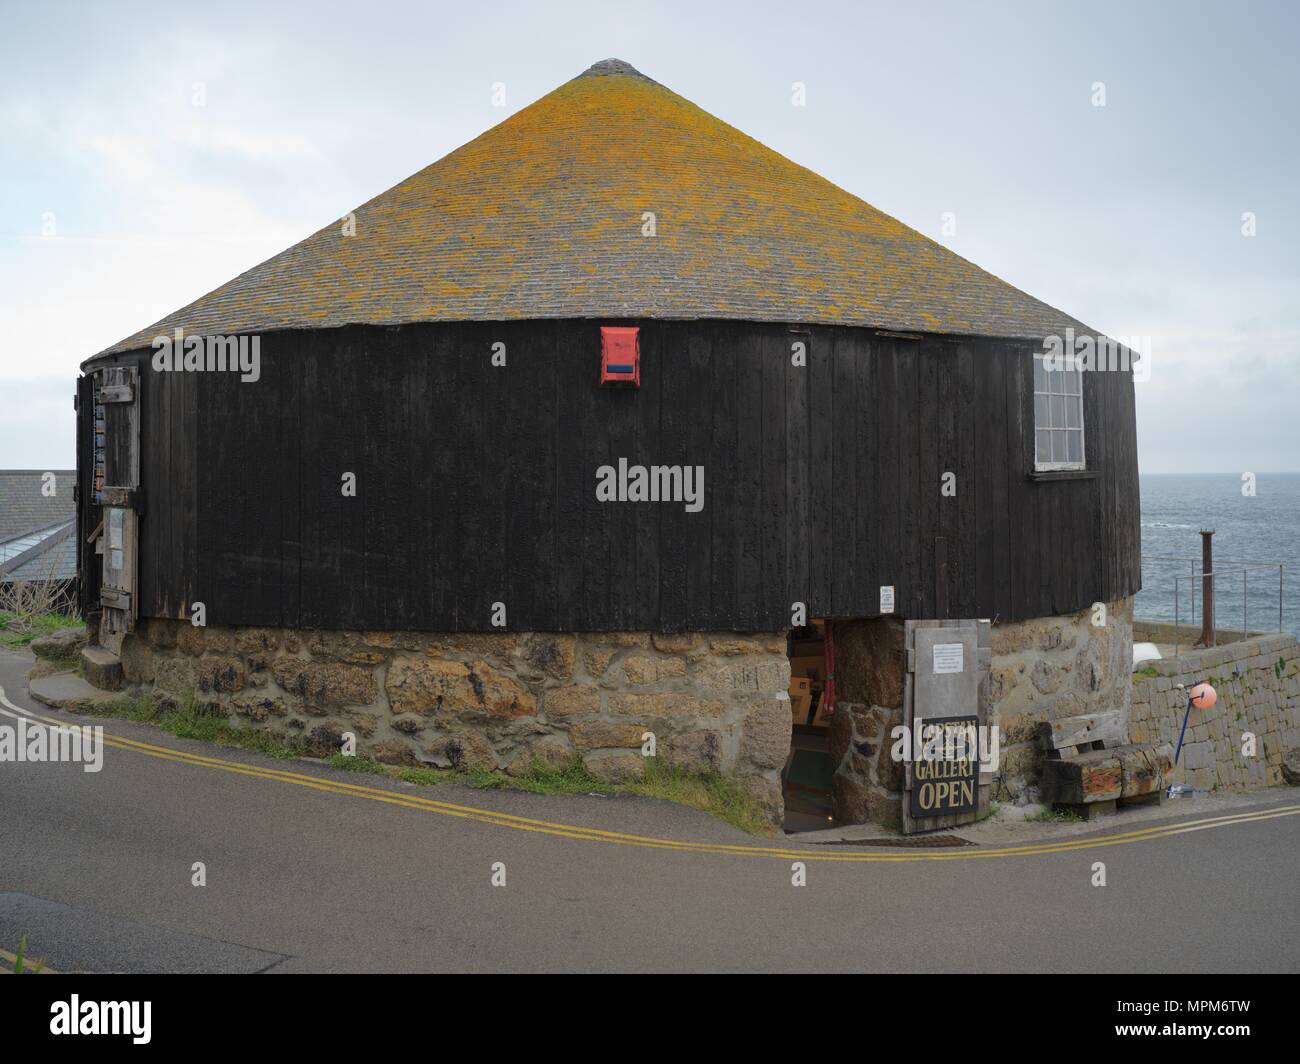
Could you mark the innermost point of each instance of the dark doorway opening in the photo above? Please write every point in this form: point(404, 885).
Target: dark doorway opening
point(806, 778)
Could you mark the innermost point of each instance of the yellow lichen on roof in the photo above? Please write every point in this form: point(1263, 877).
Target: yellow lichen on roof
point(542, 217)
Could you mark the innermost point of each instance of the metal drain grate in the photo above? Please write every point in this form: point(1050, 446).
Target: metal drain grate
point(923, 842)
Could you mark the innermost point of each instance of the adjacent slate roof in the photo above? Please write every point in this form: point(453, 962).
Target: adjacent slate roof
point(24, 509)
point(37, 531)
point(542, 217)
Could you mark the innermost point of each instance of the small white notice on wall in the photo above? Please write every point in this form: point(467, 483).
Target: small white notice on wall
point(947, 657)
point(886, 600)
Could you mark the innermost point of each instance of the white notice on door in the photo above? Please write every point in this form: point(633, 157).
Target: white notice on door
point(947, 657)
point(887, 600)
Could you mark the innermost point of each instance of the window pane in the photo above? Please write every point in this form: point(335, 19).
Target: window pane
point(1073, 411)
point(1058, 411)
point(1058, 446)
point(1042, 414)
point(1073, 382)
point(1076, 446)
point(1044, 447)
point(1040, 376)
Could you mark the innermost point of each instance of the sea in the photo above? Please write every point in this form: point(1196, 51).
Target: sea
point(1258, 529)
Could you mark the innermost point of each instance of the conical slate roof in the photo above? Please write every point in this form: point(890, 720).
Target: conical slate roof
point(543, 216)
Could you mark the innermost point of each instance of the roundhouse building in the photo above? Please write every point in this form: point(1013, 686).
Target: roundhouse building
point(584, 433)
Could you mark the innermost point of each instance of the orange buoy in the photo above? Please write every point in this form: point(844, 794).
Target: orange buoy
point(1204, 696)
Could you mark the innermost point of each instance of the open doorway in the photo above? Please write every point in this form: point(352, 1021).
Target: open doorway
point(806, 778)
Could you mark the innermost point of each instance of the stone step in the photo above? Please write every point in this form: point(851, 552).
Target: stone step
point(61, 645)
point(67, 690)
point(101, 668)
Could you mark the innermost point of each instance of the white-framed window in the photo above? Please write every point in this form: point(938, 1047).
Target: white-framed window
point(1058, 413)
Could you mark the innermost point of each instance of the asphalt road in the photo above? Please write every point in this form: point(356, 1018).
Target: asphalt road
point(308, 869)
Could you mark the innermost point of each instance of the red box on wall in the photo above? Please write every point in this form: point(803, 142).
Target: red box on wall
point(620, 356)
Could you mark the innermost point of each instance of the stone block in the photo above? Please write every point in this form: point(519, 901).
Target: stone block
point(550, 655)
point(465, 751)
point(547, 753)
point(63, 645)
point(698, 750)
point(765, 734)
point(433, 686)
point(101, 668)
point(614, 766)
point(642, 669)
point(573, 701)
point(664, 706)
point(222, 675)
point(600, 734)
point(325, 683)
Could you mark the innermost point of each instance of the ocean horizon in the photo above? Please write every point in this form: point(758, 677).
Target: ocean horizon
point(1262, 528)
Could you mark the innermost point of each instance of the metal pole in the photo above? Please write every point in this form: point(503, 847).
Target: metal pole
point(1245, 628)
point(1207, 588)
point(1182, 733)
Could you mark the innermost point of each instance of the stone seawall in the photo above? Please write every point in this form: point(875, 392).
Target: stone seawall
point(713, 701)
point(1258, 683)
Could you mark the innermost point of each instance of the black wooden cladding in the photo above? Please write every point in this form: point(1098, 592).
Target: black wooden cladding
point(477, 484)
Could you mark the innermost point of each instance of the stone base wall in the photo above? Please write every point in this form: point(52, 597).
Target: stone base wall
point(1052, 668)
point(714, 701)
point(1044, 669)
point(1258, 684)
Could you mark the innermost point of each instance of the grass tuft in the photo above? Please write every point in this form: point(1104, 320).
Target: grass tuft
point(18, 630)
point(190, 719)
point(356, 763)
point(1055, 816)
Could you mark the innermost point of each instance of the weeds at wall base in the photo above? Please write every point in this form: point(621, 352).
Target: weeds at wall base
point(720, 796)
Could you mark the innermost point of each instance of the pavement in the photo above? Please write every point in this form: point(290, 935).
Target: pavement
point(310, 869)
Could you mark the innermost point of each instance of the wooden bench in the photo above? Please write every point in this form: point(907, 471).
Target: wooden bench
point(1091, 770)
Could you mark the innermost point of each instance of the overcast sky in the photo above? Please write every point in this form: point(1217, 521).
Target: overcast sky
point(123, 200)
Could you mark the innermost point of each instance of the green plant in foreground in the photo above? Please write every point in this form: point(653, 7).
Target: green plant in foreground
point(20, 963)
point(1055, 816)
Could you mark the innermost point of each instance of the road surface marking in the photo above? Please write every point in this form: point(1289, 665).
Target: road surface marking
point(577, 832)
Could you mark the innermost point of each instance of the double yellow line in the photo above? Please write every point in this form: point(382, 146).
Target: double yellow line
point(585, 834)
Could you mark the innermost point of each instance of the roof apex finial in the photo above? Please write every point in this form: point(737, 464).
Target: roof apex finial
point(612, 67)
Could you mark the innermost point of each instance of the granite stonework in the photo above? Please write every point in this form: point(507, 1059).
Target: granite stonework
point(1048, 668)
point(1258, 686)
point(715, 702)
